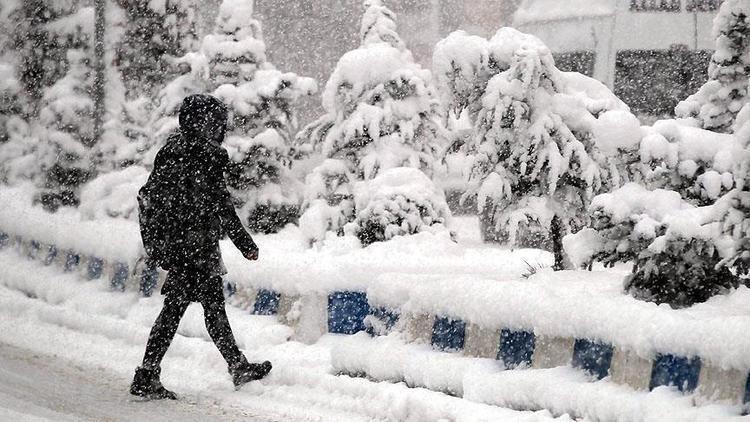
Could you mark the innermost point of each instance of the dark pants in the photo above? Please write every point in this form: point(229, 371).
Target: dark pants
point(168, 320)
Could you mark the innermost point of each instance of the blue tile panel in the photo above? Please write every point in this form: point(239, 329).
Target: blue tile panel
point(448, 334)
point(347, 312)
point(229, 289)
point(95, 268)
point(388, 318)
point(516, 348)
point(34, 248)
point(51, 255)
point(593, 357)
point(149, 279)
point(675, 371)
point(267, 303)
point(72, 260)
point(119, 276)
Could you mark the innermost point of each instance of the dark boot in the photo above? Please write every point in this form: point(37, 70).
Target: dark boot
point(146, 384)
point(244, 372)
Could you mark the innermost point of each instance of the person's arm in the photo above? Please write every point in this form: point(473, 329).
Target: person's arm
point(230, 222)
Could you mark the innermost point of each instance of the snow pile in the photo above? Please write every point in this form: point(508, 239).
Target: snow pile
point(9, 85)
point(113, 195)
point(106, 238)
point(617, 130)
point(381, 113)
point(697, 163)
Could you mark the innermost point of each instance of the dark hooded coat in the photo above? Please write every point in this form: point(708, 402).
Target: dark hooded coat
point(194, 153)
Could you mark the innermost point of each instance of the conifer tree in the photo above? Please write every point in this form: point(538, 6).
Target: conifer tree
point(718, 101)
point(155, 33)
point(541, 148)
point(382, 113)
point(68, 134)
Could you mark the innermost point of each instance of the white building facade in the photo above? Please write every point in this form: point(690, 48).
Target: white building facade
point(650, 52)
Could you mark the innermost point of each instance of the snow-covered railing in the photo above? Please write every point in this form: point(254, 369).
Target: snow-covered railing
point(564, 319)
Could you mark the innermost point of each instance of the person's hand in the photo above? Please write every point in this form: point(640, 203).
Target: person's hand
point(252, 255)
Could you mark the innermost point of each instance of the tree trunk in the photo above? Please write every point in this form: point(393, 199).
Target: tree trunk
point(557, 234)
point(99, 68)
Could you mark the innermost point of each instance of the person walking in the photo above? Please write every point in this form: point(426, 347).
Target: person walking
point(184, 210)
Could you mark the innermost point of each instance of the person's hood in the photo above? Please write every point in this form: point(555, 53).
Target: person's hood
point(203, 118)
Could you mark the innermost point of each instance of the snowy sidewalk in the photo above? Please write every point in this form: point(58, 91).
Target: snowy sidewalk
point(40, 387)
point(97, 338)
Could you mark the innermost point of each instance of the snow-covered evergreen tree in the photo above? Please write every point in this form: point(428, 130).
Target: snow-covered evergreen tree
point(192, 79)
point(155, 33)
point(231, 63)
point(16, 144)
point(545, 142)
point(382, 112)
point(716, 104)
point(261, 101)
point(44, 31)
point(10, 106)
point(68, 133)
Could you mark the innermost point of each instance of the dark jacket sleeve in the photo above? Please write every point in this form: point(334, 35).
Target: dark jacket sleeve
point(230, 222)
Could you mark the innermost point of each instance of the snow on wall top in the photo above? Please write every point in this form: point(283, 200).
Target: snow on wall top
point(532, 11)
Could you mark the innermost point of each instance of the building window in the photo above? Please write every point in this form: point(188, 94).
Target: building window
point(703, 5)
point(576, 61)
point(652, 82)
point(655, 5)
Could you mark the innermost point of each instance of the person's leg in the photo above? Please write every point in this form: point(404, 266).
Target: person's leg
point(163, 331)
point(217, 324)
point(220, 331)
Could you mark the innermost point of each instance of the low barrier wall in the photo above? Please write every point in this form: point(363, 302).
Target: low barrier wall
point(411, 310)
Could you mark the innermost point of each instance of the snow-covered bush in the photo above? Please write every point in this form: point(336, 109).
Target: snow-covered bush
point(736, 219)
point(400, 201)
point(676, 248)
point(544, 141)
point(329, 200)
point(68, 134)
point(382, 111)
point(261, 181)
point(716, 104)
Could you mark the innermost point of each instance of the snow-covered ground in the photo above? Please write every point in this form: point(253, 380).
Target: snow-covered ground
point(68, 348)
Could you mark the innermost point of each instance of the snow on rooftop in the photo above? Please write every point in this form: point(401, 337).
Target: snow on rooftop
point(532, 11)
